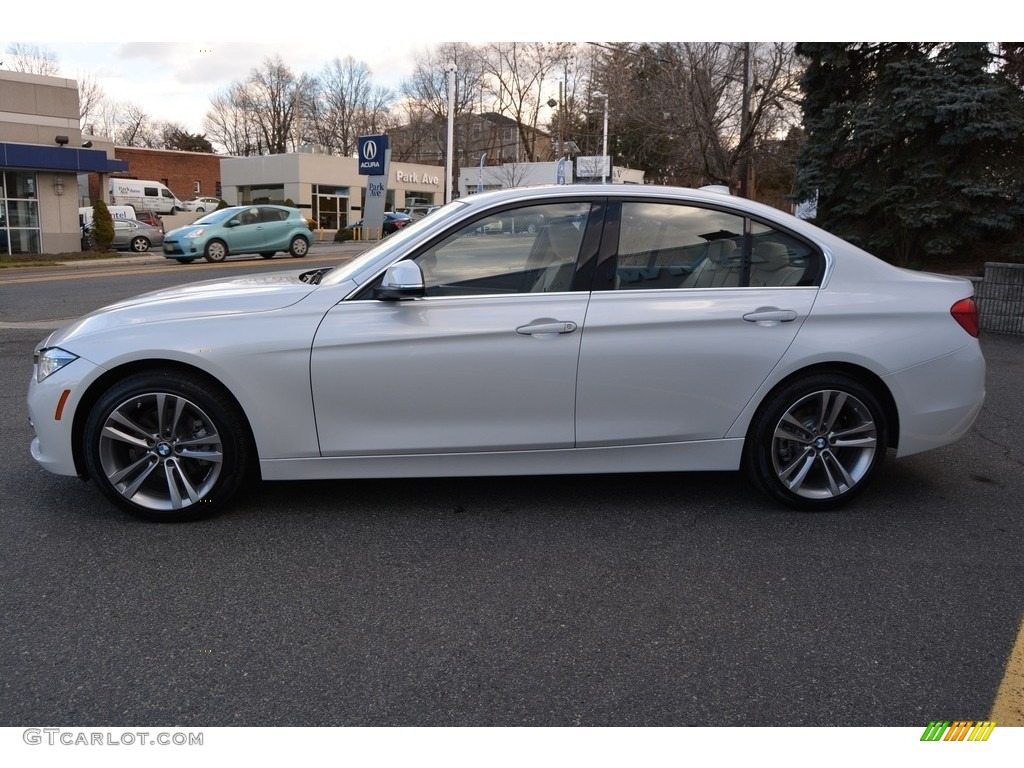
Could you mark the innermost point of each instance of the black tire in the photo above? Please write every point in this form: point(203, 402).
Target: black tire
point(299, 247)
point(200, 210)
point(157, 473)
point(268, 254)
point(140, 244)
point(815, 443)
point(174, 210)
point(216, 251)
point(185, 261)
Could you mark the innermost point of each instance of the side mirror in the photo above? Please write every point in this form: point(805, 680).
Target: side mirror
point(232, 223)
point(403, 280)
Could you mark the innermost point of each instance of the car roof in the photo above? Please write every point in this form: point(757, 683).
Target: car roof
point(739, 205)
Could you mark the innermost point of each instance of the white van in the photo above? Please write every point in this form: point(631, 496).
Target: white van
point(116, 212)
point(144, 196)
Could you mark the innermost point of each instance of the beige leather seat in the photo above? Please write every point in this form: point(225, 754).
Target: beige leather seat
point(770, 266)
point(721, 268)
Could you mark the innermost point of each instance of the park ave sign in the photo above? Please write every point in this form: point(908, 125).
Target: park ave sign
point(408, 177)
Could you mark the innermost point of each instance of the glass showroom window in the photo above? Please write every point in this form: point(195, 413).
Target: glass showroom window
point(271, 194)
point(19, 213)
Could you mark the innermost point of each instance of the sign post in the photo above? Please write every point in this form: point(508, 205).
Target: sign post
point(374, 161)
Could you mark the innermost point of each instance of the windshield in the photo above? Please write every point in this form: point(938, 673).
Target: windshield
point(384, 250)
point(217, 216)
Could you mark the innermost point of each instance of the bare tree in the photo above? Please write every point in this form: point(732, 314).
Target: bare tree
point(676, 109)
point(572, 84)
point(259, 115)
point(511, 174)
point(342, 103)
point(32, 59)
point(90, 102)
point(227, 123)
point(134, 126)
point(271, 100)
point(519, 76)
point(425, 105)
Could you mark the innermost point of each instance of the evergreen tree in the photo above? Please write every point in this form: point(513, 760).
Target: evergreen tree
point(102, 227)
point(914, 150)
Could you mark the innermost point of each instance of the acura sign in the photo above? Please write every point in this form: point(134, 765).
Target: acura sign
point(372, 153)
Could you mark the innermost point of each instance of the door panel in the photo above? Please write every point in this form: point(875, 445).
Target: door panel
point(247, 236)
point(659, 366)
point(447, 374)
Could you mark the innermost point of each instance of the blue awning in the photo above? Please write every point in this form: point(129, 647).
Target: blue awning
point(72, 160)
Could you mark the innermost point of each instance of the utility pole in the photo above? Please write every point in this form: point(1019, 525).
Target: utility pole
point(606, 161)
point(451, 69)
point(746, 140)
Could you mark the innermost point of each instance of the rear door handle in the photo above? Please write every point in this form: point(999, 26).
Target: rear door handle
point(770, 316)
point(545, 326)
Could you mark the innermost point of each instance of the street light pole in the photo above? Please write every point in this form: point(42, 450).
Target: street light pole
point(604, 143)
point(746, 141)
point(451, 70)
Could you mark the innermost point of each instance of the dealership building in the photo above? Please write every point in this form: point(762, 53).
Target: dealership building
point(328, 189)
point(42, 154)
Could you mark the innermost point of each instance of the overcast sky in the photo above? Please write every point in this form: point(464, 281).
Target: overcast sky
point(175, 80)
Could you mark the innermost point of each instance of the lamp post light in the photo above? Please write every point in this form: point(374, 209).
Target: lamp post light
point(604, 143)
point(451, 69)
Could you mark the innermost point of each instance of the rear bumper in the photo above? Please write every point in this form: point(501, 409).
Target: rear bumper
point(938, 400)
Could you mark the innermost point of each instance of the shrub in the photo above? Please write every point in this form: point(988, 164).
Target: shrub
point(343, 235)
point(102, 231)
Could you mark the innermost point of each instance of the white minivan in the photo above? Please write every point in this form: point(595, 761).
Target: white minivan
point(144, 196)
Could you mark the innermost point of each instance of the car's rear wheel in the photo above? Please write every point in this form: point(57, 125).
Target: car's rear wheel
point(140, 244)
point(268, 254)
point(816, 442)
point(299, 247)
point(216, 251)
point(166, 446)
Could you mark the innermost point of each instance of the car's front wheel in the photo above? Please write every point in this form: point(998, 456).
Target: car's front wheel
point(140, 244)
point(216, 251)
point(299, 247)
point(816, 442)
point(166, 446)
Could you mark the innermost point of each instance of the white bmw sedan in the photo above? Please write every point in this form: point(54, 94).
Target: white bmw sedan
point(635, 329)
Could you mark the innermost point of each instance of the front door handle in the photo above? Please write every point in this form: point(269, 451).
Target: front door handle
point(770, 316)
point(545, 326)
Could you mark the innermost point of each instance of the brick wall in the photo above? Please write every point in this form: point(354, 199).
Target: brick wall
point(179, 170)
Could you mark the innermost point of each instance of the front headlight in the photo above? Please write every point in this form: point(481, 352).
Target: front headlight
point(195, 233)
point(49, 361)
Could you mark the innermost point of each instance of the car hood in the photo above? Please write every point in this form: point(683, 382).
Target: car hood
point(183, 231)
point(209, 298)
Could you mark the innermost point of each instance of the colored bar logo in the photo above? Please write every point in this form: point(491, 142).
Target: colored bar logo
point(958, 730)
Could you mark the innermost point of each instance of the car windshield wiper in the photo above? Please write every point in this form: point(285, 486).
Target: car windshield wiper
point(314, 276)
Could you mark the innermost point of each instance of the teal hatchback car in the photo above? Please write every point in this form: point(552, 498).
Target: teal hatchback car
point(262, 229)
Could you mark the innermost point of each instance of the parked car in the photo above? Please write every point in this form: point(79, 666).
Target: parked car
point(130, 234)
point(640, 329)
point(418, 211)
point(149, 217)
point(393, 221)
point(262, 229)
point(202, 204)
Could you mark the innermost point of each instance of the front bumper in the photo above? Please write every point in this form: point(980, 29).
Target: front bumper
point(52, 419)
